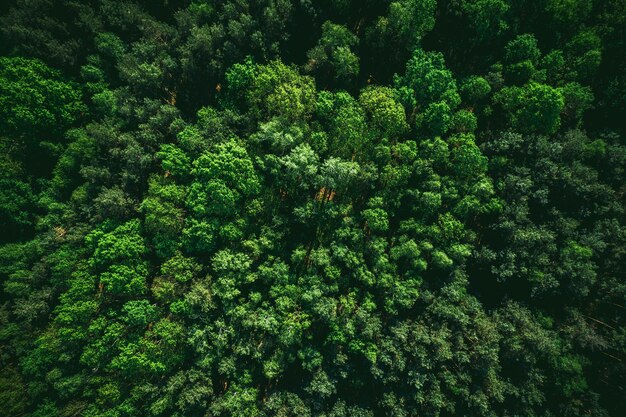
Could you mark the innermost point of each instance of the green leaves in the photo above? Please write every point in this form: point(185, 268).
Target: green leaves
point(256, 217)
point(117, 254)
point(428, 91)
point(124, 280)
point(174, 161)
point(425, 81)
point(474, 88)
point(228, 162)
point(224, 180)
point(377, 219)
point(35, 100)
point(164, 217)
point(532, 108)
point(116, 245)
point(224, 176)
point(272, 90)
point(333, 59)
point(385, 116)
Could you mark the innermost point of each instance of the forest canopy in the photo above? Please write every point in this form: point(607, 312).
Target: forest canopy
point(327, 208)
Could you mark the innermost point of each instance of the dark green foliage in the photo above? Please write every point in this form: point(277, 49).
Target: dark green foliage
point(332, 59)
point(312, 208)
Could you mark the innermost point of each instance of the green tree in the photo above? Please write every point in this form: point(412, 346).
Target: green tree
point(332, 60)
point(532, 108)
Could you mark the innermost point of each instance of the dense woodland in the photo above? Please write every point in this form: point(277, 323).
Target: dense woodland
point(312, 208)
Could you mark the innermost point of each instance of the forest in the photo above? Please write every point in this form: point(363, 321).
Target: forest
point(333, 208)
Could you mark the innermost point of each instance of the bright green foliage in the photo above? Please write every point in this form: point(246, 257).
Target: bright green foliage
point(532, 108)
point(521, 56)
point(345, 123)
point(35, 100)
point(272, 90)
point(163, 216)
point(229, 164)
point(223, 180)
point(117, 255)
point(426, 80)
point(37, 105)
point(474, 88)
point(385, 116)
point(429, 92)
point(174, 161)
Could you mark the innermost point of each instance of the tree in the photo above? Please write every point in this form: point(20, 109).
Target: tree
point(332, 59)
point(407, 22)
point(474, 88)
point(273, 90)
point(224, 179)
point(35, 100)
point(532, 108)
point(385, 116)
point(428, 91)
